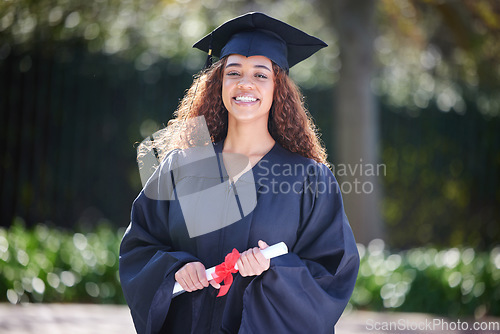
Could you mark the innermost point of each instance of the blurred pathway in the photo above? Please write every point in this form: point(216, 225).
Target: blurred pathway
point(65, 318)
point(110, 319)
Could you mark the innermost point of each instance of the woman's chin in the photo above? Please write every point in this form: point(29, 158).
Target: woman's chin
point(247, 117)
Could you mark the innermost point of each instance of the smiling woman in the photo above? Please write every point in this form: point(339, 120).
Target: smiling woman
point(248, 89)
point(251, 108)
point(247, 94)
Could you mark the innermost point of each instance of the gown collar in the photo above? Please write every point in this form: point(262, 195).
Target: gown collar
point(259, 168)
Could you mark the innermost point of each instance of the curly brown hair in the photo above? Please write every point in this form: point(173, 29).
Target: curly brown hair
point(290, 124)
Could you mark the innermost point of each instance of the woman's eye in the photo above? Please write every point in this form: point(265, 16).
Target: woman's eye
point(232, 73)
point(261, 76)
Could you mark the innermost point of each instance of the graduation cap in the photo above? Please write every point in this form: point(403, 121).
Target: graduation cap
point(256, 34)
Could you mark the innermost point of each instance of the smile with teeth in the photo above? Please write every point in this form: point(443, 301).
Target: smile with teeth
point(245, 98)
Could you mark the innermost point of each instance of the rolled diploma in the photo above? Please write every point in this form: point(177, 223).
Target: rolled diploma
point(272, 251)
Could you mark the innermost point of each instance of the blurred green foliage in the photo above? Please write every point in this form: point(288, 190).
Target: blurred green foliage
point(45, 264)
point(452, 282)
point(443, 170)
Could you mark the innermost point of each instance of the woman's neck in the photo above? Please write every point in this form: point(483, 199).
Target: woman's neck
point(244, 146)
point(248, 139)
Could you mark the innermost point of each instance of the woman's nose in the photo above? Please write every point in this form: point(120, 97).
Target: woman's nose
point(245, 82)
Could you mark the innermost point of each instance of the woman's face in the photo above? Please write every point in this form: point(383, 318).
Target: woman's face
point(248, 87)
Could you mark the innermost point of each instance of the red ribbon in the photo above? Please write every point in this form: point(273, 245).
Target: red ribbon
point(225, 270)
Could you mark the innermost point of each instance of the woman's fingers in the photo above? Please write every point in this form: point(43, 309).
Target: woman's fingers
point(259, 257)
point(202, 276)
point(252, 262)
point(263, 244)
point(241, 267)
point(214, 284)
point(184, 280)
point(249, 266)
point(192, 277)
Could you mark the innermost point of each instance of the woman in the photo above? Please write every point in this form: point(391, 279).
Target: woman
point(251, 108)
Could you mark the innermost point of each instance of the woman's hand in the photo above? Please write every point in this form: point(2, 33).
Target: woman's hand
point(192, 277)
point(252, 262)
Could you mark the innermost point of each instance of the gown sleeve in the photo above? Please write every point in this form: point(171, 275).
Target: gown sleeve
point(306, 290)
point(147, 260)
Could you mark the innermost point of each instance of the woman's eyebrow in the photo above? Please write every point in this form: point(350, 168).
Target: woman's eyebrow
point(256, 66)
point(263, 66)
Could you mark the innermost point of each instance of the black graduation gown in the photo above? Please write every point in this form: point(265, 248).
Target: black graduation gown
point(305, 290)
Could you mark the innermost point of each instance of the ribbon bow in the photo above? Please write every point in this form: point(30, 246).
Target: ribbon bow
point(225, 270)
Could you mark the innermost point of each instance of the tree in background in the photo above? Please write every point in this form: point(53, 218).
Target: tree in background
point(356, 121)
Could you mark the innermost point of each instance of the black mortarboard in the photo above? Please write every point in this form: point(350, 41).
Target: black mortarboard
point(256, 34)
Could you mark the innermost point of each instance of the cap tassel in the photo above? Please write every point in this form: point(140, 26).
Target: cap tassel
point(208, 62)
